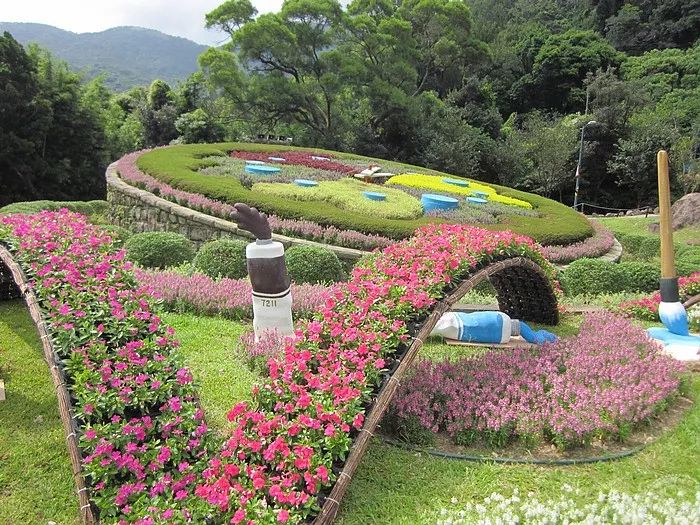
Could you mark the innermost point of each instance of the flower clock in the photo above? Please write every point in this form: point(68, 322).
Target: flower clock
point(148, 455)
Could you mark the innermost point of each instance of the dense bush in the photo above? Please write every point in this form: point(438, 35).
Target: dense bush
point(593, 276)
point(176, 167)
point(640, 276)
point(222, 258)
point(159, 249)
point(596, 384)
point(688, 260)
point(84, 207)
point(639, 246)
point(309, 264)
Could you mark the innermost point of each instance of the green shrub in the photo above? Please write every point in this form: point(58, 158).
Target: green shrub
point(84, 207)
point(309, 264)
point(222, 258)
point(640, 276)
point(159, 249)
point(689, 260)
point(592, 276)
point(118, 234)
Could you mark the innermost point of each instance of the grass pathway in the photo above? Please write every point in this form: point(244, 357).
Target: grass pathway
point(36, 485)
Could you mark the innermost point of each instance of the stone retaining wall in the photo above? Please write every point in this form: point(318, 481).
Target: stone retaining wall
point(141, 211)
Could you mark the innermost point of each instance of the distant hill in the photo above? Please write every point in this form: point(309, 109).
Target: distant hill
point(129, 56)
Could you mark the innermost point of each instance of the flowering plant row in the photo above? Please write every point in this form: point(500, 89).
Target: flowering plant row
point(128, 171)
point(231, 298)
point(299, 425)
point(599, 244)
point(596, 384)
point(647, 308)
point(142, 434)
point(320, 161)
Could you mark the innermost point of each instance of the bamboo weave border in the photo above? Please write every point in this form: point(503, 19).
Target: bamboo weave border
point(69, 425)
point(331, 505)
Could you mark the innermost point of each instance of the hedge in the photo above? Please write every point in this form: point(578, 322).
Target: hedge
point(177, 165)
point(313, 265)
point(30, 207)
point(222, 258)
point(159, 249)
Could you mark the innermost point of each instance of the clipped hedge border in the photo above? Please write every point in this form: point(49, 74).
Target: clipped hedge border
point(177, 165)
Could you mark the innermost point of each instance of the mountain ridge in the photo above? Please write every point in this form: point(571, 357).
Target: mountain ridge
point(128, 56)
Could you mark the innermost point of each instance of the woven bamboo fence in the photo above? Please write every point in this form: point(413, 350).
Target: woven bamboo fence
point(20, 288)
point(523, 291)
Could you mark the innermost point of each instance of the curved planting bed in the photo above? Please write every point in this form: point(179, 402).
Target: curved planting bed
point(147, 455)
point(213, 177)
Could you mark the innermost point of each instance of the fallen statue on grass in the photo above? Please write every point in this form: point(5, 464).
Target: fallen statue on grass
point(488, 328)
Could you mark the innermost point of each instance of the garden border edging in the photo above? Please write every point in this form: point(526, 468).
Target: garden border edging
point(140, 210)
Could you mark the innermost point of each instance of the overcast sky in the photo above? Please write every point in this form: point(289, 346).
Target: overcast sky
point(175, 17)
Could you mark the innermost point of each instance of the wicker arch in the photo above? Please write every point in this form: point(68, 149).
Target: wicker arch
point(523, 291)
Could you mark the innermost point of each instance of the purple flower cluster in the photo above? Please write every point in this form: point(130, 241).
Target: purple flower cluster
point(599, 244)
point(228, 297)
point(128, 171)
point(597, 383)
point(258, 353)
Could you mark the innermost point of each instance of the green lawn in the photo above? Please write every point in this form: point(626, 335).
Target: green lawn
point(392, 485)
point(36, 484)
point(640, 226)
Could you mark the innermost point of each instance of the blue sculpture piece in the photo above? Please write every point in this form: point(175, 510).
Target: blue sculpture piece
point(488, 328)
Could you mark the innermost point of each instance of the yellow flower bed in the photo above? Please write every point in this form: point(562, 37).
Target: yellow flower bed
point(435, 183)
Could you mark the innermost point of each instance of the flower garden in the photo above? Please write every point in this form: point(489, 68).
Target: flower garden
point(182, 417)
point(214, 177)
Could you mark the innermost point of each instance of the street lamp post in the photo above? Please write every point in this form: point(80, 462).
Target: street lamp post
point(580, 158)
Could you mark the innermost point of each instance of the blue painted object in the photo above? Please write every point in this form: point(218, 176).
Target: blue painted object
point(305, 183)
point(674, 317)
point(457, 182)
point(277, 159)
point(255, 162)
point(480, 194)
point(476, 200)
point(374, 196)
point(438, 202)
point(261, 169)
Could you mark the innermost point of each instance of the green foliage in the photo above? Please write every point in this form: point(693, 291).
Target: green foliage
point(159, 249)
point(347, 194)
point(688, 260)
point(640, 276)
point(86, 208)
point(222, 258)
point(639, 246)
point(592, 277)
point(559, 68)
point(310, 264)
point(198, 126)
point(50, 136)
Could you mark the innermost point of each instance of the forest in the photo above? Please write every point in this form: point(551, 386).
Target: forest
point(499, 90)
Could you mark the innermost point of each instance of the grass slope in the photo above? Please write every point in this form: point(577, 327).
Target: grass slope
point(640, 226)
point(177, 166)
point(36, 484)
point(208, 346)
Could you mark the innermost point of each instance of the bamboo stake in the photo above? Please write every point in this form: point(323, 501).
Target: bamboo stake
point(64, 406)
point(331, 505)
